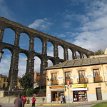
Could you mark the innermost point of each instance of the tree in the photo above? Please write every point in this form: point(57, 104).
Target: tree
point(26, 81)
point(99, 52)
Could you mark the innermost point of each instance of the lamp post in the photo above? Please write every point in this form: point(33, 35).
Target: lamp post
point(1, 53)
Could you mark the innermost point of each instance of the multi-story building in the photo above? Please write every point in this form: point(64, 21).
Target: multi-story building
point(78, 80)
point(3, 81)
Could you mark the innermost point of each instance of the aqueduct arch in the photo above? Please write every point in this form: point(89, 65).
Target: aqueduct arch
point(31, 53)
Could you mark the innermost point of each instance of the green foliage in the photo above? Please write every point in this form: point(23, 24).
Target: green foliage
point(23, 92)
point(43, 89)
point(29, 92)
point(103, 104)
point(26, 81)
point(99, 52)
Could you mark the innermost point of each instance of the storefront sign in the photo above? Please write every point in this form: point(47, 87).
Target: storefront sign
point(79, 85)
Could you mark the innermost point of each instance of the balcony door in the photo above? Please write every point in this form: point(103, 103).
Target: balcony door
point(82, 78)
point(54, 79)
point(67, 78)
point(97, 77)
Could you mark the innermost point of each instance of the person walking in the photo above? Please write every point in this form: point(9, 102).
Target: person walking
point(23, 100)
point(33, 100)
point(61, 98)
point(18, 101)
point(64, 99)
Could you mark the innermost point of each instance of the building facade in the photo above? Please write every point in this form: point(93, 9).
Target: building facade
point(78, 80)
point(3, 81)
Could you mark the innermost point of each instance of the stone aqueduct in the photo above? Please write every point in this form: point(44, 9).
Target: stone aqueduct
point(30, 53)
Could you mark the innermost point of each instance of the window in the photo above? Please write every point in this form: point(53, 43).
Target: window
point(82, 78)
point(54, 79)
point(96, 75)
point(54, 76)
point(67, 77)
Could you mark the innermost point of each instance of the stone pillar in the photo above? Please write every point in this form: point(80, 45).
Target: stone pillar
point(16, 42)
point(31, 42)
point(73, 54)
point(56, 53)
point(43, 60)
point(65, 53)
point(1, 34)
point(30, 63)
point(13, 73)
point(44, 47)
point(81, 54)
point(44, 56)
point(30, 60)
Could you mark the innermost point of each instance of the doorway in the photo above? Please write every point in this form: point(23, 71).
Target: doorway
point(55, 95)
point(98, 93)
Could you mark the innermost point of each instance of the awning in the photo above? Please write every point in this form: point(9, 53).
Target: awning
point(57, 89)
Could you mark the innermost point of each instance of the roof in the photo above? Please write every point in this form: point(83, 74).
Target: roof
point(80, 62)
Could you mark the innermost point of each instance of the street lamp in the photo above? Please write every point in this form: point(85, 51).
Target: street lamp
point(1, 53)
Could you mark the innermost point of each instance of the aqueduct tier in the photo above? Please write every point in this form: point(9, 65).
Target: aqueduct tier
point(77, 52)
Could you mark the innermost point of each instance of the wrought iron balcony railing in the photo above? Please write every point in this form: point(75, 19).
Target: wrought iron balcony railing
point(98, 79)
point(82, 80)
point(68, 79)
point(54, 82)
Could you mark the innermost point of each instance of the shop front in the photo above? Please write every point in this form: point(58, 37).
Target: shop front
point(55, 95)
point(79, 92)
point(56, 92)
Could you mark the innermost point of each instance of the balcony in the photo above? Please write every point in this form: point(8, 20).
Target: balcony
point(98, 79)
point(68, 79)
point(54, 82)
point(82, 80)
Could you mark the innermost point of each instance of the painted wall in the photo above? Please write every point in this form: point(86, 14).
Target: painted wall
point(91, 86)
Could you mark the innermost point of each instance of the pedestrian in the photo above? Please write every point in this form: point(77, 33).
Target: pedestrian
point(33, 100)
point(61, 98)
point(64, 99)
point(18, 101)
point(23, 100)
point(43, 99)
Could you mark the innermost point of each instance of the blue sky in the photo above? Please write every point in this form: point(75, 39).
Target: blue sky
point(75, 21)
point(81, 22)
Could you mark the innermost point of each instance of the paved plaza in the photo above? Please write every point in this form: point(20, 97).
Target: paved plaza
point(3, 103)
point(51, 105)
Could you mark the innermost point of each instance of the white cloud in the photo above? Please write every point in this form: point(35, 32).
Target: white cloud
point(41, 24)
point(94, 31)
point(22, 65)
point(37, 63)
point(5, 65)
